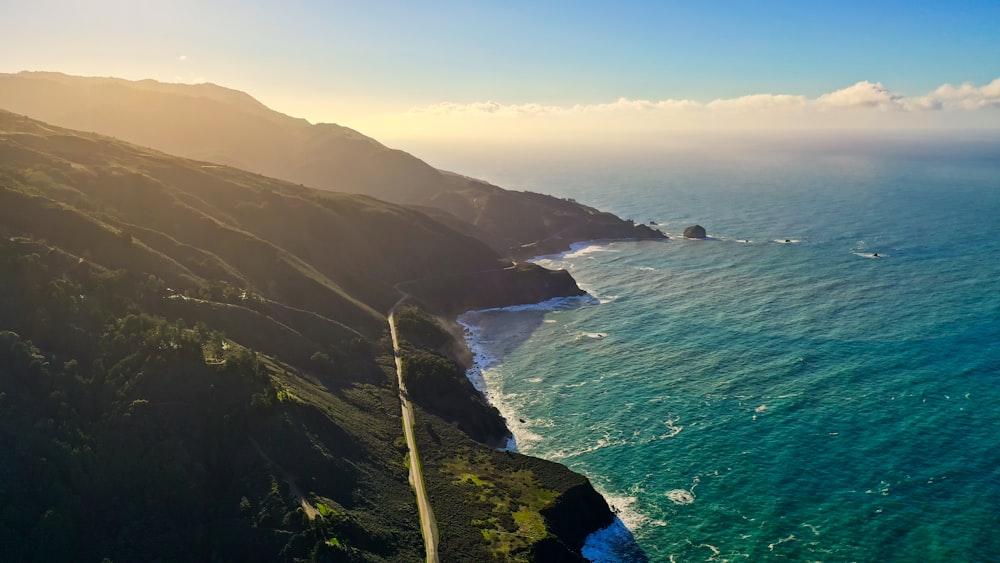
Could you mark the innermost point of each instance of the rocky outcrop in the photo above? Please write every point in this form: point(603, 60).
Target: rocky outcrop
point(519, 284)
point(695, 231)
point(577, 513)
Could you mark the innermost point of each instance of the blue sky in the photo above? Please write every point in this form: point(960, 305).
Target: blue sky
point(358, 61)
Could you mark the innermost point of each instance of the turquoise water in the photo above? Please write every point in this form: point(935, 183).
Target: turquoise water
point(763, 400)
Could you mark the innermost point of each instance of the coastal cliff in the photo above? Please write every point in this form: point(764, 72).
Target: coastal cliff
point(518, 284)
point(575, 515)
point(501, 505)
point(213, 344)
point(562, 519)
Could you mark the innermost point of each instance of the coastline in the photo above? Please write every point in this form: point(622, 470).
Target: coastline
point(615, 542)
point(485, 357)
point(575, 247)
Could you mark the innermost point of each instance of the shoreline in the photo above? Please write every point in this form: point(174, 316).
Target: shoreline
point(484, 359)
point(608, 544)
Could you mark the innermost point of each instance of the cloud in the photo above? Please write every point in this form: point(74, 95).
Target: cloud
point(969, 97)
point(862, 95)
point(863, 105)
point(874, 95)
point(637, 106)
point(182, 58)
point(759, 102)
point(495, 109)
point(488, 108)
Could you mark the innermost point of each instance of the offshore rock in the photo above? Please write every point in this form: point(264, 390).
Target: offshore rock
point(695, 231)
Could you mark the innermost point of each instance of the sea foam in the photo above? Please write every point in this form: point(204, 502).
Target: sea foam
point(485, 359)
point(614, 544)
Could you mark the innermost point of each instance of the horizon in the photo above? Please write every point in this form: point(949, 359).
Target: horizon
point(553, 73)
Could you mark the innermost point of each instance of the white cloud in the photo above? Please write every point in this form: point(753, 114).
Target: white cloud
point(863, 105)
point(866, 94)
point(182, 58)
point(759, 102)
point(627, 105)
point(968, 96)
point(488, 108)
point(863, 94)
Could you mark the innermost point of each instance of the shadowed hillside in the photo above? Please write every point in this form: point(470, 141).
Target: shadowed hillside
point(216, 124)
point(194, 366)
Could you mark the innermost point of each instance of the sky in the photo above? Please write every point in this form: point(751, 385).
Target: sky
point(455, 70)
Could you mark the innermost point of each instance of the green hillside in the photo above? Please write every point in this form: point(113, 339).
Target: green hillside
point(194, 366)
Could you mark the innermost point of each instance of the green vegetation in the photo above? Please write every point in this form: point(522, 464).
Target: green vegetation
point(498, 506)
point(194, 367)
point(325, 511)
point(522, 499)
point(126, 434)
point(437, 382)
point(422, 330)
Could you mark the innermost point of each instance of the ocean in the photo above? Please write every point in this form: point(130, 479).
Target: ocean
point(744, 398)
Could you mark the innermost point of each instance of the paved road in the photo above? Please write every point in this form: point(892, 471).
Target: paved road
point(428, 526)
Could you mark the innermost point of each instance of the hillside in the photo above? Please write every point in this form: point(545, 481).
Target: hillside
point(216, 124)
point(194, 366)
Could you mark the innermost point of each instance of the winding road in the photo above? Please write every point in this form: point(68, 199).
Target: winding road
point(428, 526)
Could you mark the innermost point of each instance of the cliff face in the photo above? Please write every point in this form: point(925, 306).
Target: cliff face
point(224, 126)
point(196, 362)
point(577, 513)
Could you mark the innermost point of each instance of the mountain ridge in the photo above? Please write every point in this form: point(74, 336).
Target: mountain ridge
point(213, 123)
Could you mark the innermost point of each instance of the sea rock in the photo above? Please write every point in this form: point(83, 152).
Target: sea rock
point(695, 231)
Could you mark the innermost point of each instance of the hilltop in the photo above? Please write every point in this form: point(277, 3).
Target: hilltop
point(195, 365)
point(225, 126)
